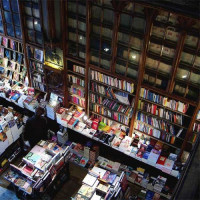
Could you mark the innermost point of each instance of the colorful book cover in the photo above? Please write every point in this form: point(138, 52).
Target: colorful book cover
point(111, 178)
point(83, 162)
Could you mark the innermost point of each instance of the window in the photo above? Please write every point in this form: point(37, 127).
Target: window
point(76, 34)
point(102, 20)
point(161, 49)
point(10, 11)
point(1, 23)
point(130, 40)
point(33, 23)
point(187, 80)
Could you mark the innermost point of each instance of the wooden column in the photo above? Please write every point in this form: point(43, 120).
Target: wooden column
point(24, 41)
point(63, 30)
point(185, 24)
point(114, 41)
point(87, 57)
point(190, 129)
point(150, 15)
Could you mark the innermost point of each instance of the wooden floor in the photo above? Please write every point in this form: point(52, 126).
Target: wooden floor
point(70, 188)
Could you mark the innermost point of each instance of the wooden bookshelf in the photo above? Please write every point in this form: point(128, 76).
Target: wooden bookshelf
point(76, 82)
point(36, 68)
point(12, 56)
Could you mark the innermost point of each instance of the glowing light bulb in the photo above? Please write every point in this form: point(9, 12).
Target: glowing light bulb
point(184, 76)
point(133, 56)
point(106, 49)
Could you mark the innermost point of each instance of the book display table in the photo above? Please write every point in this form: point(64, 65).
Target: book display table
point(102, 184)
point(39, 169)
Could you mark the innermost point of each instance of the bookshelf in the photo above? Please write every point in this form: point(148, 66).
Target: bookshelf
point(36, 60)
point(196, 129)
point(12, 59)
point(76, 84)
point(163, 118)
point(111, 98)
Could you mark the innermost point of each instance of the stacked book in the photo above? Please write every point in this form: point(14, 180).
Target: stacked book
point(51, 109)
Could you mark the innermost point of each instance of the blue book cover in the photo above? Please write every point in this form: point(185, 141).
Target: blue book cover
point(149, 195)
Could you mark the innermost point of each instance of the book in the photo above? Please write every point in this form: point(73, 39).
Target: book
point(89, 180)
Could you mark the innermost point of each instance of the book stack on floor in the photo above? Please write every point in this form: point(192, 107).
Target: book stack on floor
point(102, 184)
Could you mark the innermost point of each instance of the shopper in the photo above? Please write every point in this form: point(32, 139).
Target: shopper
point(35, 128)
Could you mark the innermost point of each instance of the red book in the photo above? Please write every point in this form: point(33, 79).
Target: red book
point(95, 124)
point(161, 160)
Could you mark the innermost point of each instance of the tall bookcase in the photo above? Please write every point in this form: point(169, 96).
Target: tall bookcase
point(111, 99)
point(37, 72)
point(12, 59)
point(76, 84)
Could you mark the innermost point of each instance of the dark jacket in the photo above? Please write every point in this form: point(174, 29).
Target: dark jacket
point(35, 130)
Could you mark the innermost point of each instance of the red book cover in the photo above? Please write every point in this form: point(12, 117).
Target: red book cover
point(161, 160)
point(95, 124)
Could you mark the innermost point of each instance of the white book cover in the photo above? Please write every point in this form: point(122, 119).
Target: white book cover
point(98, 171)
point(89, 180)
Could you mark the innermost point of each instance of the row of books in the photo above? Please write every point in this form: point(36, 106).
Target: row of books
point(39, 86)
point(37, 77)
point(160, 112)
point(35, 53)
point(12, 75)
point(34, 65)
point(164, 101)
point(112, 114)
point(198, 115)
point(9, 43)
point(162, 135)
point(77, 90)
point(127, 110)
point(76, 80)
point(157, 123)
point(114, 82)
point(12, 55)
point(9, 64)
point(117, 107)
point(98, 88)
point(196, 127)
point(78, 100)
point(79, 69)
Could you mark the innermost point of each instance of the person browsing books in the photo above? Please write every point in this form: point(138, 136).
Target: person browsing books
point(35, 128)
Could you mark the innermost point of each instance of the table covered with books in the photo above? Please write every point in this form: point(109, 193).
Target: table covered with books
point(38, 169)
